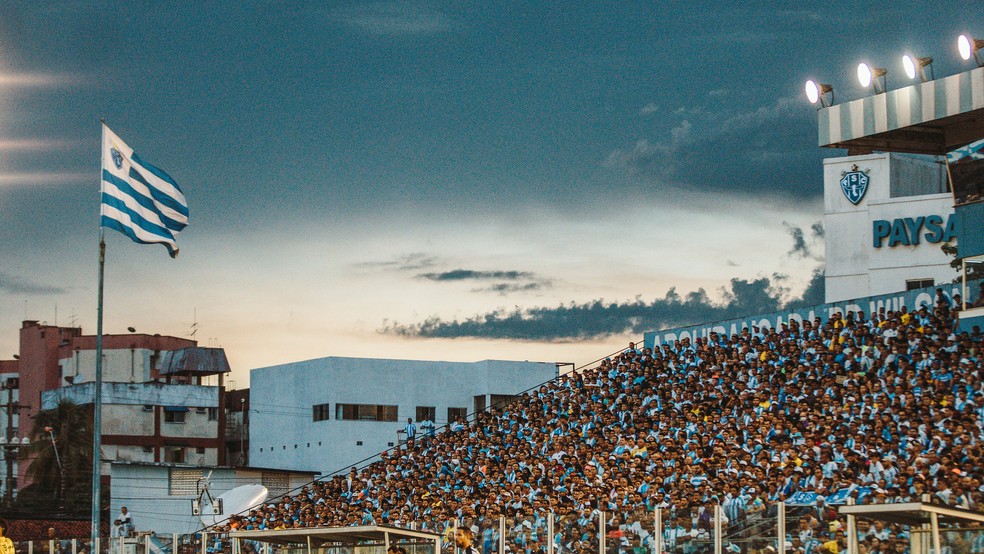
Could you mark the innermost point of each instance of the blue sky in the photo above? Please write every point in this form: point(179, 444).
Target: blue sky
point(360, 174)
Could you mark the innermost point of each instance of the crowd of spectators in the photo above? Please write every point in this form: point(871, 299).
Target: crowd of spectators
point(889, 405)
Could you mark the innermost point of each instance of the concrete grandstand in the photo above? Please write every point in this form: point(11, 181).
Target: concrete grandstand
point(866, 408)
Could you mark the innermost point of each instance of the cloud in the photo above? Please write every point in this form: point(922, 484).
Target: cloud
point(463, 274)
point(759, 151)
point(18, 285)
point(504, 289)
point(802, 247)
point(648, 109)
point(598, 319)
point(396, 19)
point(408, 262)
point(528, 281)
point(648, 159)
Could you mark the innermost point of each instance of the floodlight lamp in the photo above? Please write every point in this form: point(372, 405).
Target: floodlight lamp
point(913, 65)
point(868, 77)
point(864, 75)
point(968, 46)
point(816, 92)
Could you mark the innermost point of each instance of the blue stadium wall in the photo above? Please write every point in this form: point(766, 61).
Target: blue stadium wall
point(912, 300)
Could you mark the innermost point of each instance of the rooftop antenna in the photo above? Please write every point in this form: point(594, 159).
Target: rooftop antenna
point(203, 492)
point(194, 324)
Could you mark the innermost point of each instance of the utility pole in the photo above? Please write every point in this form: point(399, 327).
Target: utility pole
point(8, 491)
point(9, 443)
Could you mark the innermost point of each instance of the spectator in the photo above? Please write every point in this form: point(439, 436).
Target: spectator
point(6, 545)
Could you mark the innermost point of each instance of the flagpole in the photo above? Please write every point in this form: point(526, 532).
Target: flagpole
point(97, 395)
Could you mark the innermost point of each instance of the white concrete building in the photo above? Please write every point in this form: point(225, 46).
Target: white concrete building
point(159, 496)
point(885, 224)
point(326, 414)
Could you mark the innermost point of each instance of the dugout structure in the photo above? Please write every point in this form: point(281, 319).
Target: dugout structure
point(363, 539)
point(923, 518)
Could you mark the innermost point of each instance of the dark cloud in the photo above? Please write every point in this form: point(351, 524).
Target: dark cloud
point(598, 318)
point(507, 288)
point(814, 293)
point(802, 246)
point(758, 151)
point(18, 285)
point(521, 281)
point(799, 240)
point(407, 262)
point(465, 274)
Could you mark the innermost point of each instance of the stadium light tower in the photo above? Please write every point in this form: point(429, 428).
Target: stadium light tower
point(872, 77)
point(913, 65)
point(969, 47)
point(819, 93)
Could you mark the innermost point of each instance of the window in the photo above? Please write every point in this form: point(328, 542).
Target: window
point(425, 413)
point(913, 284)
point(200, 450)
point(174, 414)
point(213, 414)
point(200, 410)
point(365, 412)
point(320, 412)
point(455, 413)
point(175, 455)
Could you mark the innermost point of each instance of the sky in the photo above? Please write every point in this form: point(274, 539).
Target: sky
point(433, 180)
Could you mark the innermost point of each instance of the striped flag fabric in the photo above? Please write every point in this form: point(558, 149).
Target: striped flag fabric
point(138, 199)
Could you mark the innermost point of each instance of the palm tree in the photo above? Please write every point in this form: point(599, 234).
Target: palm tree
point(65, 473)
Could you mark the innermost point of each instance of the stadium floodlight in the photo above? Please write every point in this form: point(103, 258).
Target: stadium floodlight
point(869, 77)
point(816, 92)
point(913, 65)
point(969, 47)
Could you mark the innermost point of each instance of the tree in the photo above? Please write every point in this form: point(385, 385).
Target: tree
point(974, 271)
point(66, 487)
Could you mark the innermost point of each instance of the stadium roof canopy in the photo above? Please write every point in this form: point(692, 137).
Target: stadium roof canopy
point(926, 118)
point(316, 537)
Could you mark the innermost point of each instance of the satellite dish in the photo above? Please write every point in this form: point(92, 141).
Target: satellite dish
point(233, 502)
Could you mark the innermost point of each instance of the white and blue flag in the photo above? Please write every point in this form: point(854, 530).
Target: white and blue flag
point(139, 200)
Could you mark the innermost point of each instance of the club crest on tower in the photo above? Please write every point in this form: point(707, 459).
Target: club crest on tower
point(854, 183)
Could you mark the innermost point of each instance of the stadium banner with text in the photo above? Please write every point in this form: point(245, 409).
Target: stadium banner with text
point(912, 300)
